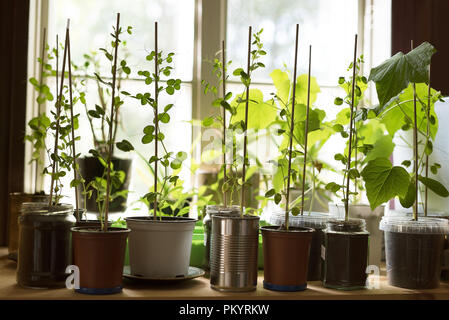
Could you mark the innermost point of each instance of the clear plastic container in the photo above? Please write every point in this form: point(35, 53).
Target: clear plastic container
point(345, 254)
point(314, 220)
point(414, 250)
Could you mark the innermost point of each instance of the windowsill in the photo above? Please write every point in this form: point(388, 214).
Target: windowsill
point(199, 289)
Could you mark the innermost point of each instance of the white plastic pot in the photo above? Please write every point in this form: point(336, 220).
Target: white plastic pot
point(160, 248)
point(372, 219)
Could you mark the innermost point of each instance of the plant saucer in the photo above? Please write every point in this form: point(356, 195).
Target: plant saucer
point(193, 273)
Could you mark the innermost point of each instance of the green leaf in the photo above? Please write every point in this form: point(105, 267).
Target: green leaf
point(125, 145)
point(282, 84)
point(277, 198)
point(435, 186)
point(208, 121)
point(409, 199)
point(270, 193)
point(383, 181)
point(394, 75)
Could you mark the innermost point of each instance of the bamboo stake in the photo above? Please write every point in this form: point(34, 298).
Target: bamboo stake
point(306, 132)
point(427, 156)
point(245, 140)
point(225, 200)
point(292, 124)
point(72, 124)
point(108, 181)
point(41, 80)
point(348, 167)
point(58, 113)
point(156, 119)
point(415, 149)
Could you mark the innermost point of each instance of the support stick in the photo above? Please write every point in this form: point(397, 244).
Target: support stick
point(306, 132)
point(72, 124)
point(245, 140)
point(58, 113)
point(225, 200)
point(156, 119)
point(108, 181)
point(427, 134)
point(41, 80)
point(292, 124)
point(348, 167)
point(415, 149)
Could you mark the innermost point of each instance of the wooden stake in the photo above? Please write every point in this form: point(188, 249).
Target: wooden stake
point(156, 119)
point(108, 181)
point(306, 132)
point(41, 80)
point(429, 92)
point(348, 167)
point(225, 200)
point(58, 113)
point(72, 123)
point(415, 148)
point(292, 124)
point(245, 140)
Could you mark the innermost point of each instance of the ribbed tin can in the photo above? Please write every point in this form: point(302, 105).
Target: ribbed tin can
point(233, 255)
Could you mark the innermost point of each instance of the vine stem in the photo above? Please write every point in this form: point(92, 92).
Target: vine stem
point(58, 114)
point(306, 132)
point(348, 167)
point(292, 125)
point(245, 140)
point(415, 149)
point(225, 200)
point(41, 80)
point(427, 156)
point(156, 119)
point(73, 126)
point(111, 123)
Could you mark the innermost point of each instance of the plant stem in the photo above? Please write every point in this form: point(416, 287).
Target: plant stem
point(348, 167)
point(111, 124)
point(58, 113)
point(41, 80)
point(415, 149)
point(246, 124)
point(427, 141)
point(156, 119)
point(306, 132)
point(225, 200)
point(72, 125)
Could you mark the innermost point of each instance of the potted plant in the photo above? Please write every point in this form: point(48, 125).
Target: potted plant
point(90, 166)
point(39, 126)
point(345, 251)
point(99, 253)
point(413, 245)
point(370, 141)
point(234, 238)
point(303, 213)
point(159, 245)
point(287, 248)
point(44, 229)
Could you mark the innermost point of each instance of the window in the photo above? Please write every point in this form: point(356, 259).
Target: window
point(328, 25)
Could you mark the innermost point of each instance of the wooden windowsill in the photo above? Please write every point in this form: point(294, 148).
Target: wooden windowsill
point(199, 289)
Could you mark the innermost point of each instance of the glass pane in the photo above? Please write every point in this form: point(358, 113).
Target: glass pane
point(328, 25)
point(91, 24)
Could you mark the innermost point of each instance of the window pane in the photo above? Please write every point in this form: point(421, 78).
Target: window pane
point(91, 23)
point(328, 25)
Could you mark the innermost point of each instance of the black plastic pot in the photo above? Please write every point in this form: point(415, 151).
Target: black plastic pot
point(90, 168)
point(413, 251)
point(345, 254)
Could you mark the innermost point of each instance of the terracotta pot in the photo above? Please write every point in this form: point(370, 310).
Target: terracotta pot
point(91, 168)
point(286, 257)
point(44, 245)
point(99, 256)
point(345, 254)
point(16, 199)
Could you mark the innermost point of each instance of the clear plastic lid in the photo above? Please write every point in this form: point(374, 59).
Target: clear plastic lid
point(316, 220)
point(43, 208)
point(215, 209)
point(424, 225)
point(341, 225)
point(430, 214)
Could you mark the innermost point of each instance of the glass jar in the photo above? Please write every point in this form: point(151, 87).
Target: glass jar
point(44, 245)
